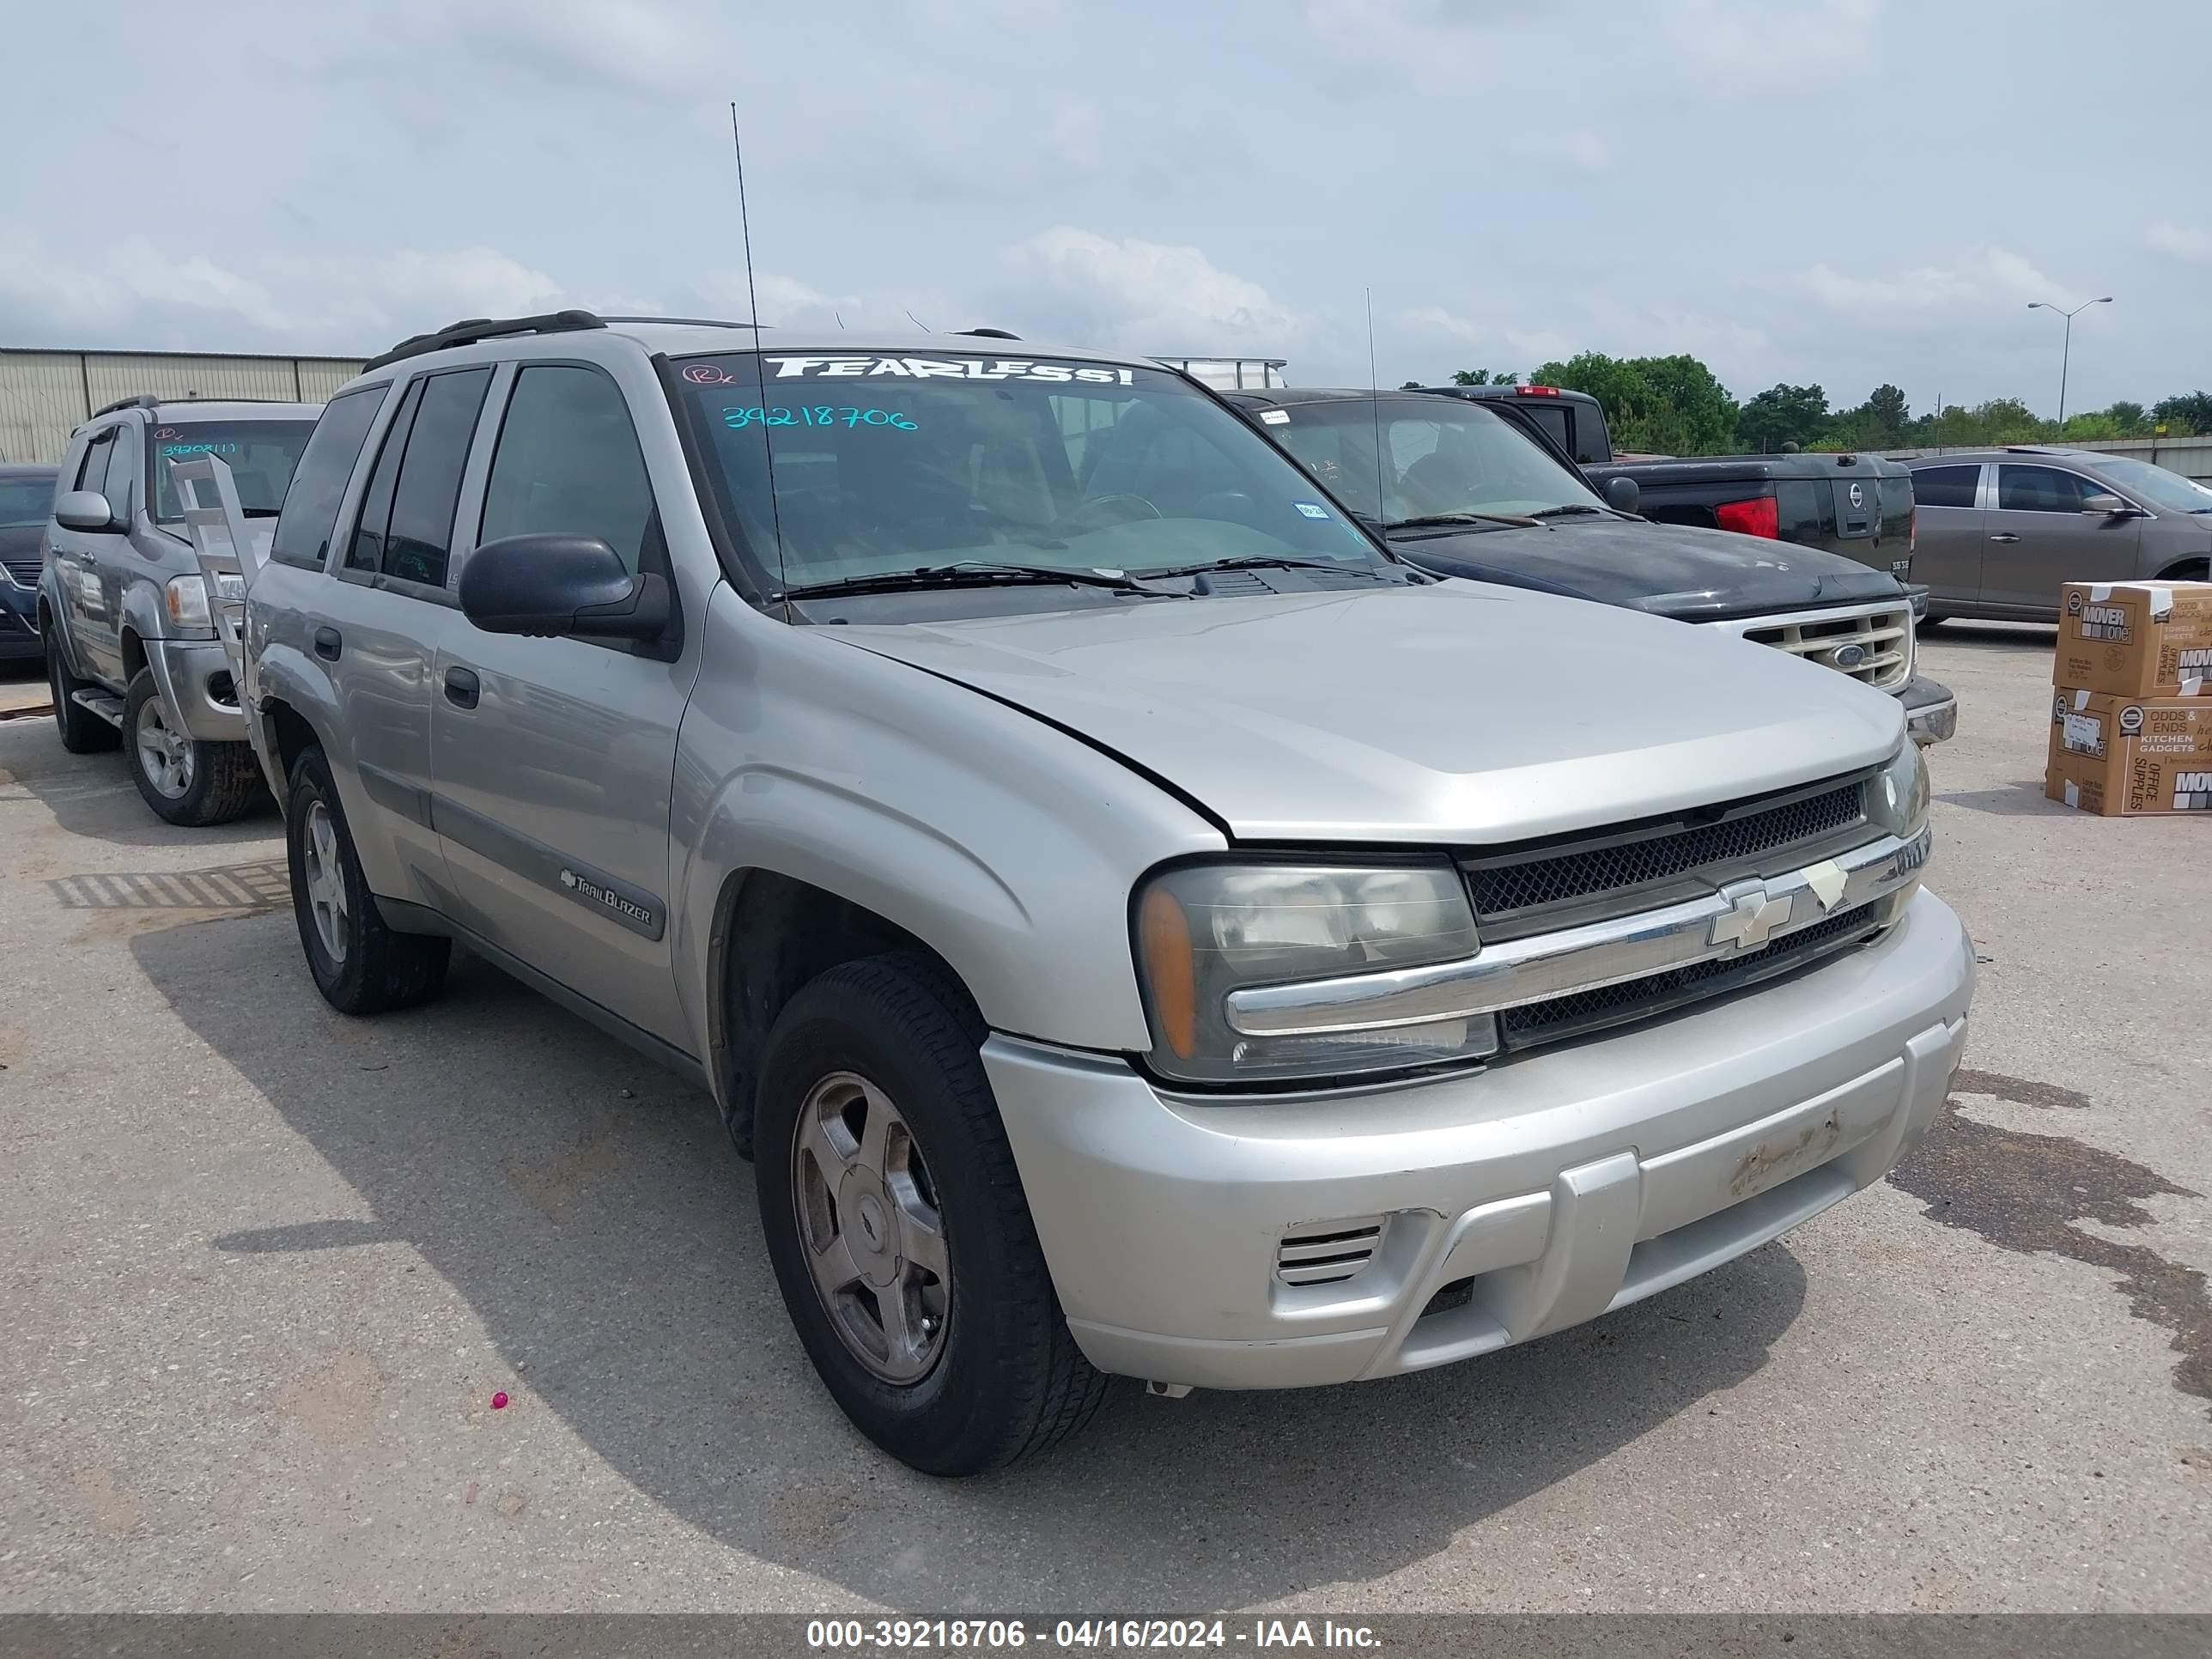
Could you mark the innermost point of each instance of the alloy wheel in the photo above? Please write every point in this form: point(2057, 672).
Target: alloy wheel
point(165, 755)
point(325, 880)
point(868, 1216)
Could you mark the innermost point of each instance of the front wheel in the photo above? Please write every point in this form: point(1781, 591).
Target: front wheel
point(897, 1228)
point(186, 780)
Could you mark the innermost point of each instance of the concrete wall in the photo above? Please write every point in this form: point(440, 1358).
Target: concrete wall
point(43, 395)
point(2190, 456)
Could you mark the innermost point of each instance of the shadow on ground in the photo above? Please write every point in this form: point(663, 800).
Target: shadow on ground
point(610, 1245)
point(92, 795)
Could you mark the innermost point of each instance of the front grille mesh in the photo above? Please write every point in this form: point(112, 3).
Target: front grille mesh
point(1580, 1012)
point(1503, 887)
point(24, 571)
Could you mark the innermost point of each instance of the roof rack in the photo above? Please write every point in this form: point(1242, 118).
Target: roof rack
point(148, 400)
point(473, 328)
point(685, 322)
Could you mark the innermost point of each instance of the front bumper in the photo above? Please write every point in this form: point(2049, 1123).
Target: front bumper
point(195, 678)
point(18, 622)
point(1931, 712)
point(1533, 1195)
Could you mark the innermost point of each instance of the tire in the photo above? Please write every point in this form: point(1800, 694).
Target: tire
point(1001, 1378)
point(185, 780)
point(372, 970)
point(83, 733)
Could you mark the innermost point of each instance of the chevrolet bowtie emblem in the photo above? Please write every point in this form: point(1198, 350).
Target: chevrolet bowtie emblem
point(1754, 913)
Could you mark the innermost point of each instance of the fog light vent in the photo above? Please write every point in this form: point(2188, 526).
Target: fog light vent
point(1328, 1252)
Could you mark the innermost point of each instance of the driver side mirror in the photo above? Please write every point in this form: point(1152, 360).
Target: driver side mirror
point(547, 586)
point(2105, 506)
point(84, 509)
point(1622, 495)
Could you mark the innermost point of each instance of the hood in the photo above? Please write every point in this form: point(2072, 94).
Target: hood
point(1449, 714)
point(1667, 569)
point(19, 541)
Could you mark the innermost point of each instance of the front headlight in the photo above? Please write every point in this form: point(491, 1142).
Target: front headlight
point(1897, 798)
point(187, 598)
point(1205, 930)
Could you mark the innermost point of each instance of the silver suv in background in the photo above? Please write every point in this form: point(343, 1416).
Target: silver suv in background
point(130, 639)
point(2000, 530)
point(1134, 922)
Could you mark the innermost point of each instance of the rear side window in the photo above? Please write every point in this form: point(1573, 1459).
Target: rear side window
point(420, 538)
point(118, 484)
point(1945, 486)
point(568, 463)
point(366, 551)
point(311, 506)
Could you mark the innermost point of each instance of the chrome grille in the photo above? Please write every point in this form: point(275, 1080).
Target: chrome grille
point(1582, 1011)
point(1330, 1252)
point(1693, 851)
point(1872, 643)
point(24, 572)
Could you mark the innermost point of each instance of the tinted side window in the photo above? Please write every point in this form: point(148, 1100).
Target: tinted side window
point(2040, 490)
point(310, 517)
point(119, 483)
point(1559, 426)
point(1945, 486)
point(567, 464)
point(86, 475)
point(420, 535)
point(367, 549)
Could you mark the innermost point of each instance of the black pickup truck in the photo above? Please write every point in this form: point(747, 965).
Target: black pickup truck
point(1859, 506)
point(1485, 493)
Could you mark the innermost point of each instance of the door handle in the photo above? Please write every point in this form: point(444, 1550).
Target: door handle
point(462, 688)
point(2004, 536)
point(328, 644)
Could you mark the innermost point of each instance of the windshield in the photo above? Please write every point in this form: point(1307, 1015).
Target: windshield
point(261, 455)
point(885, 464)
point(1440, 455)
point(2156, 485)
point(25, 501)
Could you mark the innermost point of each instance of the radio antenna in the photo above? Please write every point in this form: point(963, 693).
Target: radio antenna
point(1374, 402)
point(760, 382)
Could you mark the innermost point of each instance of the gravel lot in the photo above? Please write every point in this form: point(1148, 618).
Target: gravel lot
point(262, 1268)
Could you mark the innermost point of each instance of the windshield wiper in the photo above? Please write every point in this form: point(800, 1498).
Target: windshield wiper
point(972, 573)
point(1563, 512)
point(1520, 522)
point(1267, 562)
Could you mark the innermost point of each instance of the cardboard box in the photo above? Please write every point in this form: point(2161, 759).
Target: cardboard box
point(2136, 639)
point(2130, 756)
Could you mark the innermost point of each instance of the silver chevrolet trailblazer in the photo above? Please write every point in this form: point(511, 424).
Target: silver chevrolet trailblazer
point(1135, 923)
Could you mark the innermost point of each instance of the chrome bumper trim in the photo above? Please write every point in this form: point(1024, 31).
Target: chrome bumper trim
point(1732, 922)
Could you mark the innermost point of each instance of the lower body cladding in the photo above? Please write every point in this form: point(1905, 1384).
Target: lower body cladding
point(1282, 1243)
point(196, 680)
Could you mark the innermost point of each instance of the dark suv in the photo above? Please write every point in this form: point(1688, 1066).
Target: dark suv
point(25, 494)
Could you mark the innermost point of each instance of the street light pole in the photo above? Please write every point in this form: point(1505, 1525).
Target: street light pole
point(2066, 351)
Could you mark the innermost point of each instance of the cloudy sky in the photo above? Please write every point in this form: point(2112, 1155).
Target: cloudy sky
point(1844, 191)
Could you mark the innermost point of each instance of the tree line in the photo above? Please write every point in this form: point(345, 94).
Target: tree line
point(1676, 407)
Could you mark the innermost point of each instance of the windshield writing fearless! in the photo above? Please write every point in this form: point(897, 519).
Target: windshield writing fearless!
point(950, 369)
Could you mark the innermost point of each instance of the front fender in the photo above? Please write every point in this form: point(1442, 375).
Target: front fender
point(1006, 846)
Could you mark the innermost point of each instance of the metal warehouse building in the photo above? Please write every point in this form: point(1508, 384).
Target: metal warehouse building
point(44, 394)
